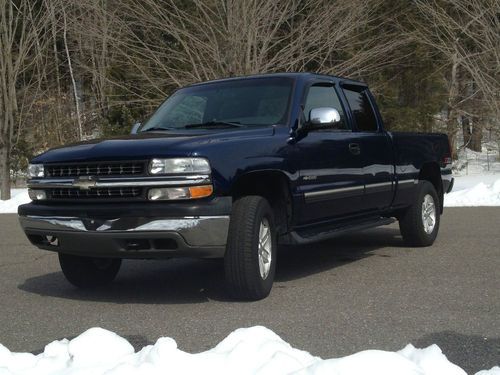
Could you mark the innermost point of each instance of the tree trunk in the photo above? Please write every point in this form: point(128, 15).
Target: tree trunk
point(451, 130)
point(451, 118)
point(4, 171)
point(466, 131)
point(73, 81)
point(476, 136)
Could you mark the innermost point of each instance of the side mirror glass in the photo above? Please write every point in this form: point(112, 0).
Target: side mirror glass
point(135, 127)
point(323, 117)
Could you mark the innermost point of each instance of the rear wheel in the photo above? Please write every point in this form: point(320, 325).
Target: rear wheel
point(88, 272)
point(419, 224)
point(250, 259)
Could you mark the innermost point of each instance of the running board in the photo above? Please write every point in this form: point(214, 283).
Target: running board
point(323, 233)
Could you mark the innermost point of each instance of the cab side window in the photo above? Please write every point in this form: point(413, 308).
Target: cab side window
point(361, 109)
point(324, 96)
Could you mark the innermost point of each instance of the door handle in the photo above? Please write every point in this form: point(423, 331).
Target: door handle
point(354, 148)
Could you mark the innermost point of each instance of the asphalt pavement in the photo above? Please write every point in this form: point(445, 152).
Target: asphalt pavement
point(362, 291)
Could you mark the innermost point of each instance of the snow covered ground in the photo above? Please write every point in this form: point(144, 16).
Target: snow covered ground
point(18, 196)
point(475, 190)
point(255, 350)
point(477, 178)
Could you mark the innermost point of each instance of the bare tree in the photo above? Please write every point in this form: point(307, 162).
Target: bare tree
point(21, 37)
point(467, 33)
point(168, 45)
point(99, 50)
point(72, 75)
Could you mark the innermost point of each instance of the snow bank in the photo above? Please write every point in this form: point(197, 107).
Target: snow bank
point(255, 350)
point(494, 371)
point(477, 178)
point(18, 196)
point(472, 191)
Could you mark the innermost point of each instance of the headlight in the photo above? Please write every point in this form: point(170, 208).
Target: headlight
point(35, 170)
point(179, 165)
point(37, 195)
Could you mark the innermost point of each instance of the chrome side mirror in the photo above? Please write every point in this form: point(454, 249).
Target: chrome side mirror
point(135, 127)
point(326, 116)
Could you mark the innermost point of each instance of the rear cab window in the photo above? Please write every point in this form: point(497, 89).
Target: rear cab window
point(361, 108)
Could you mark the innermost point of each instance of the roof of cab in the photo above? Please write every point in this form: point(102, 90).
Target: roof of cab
point(296, 76)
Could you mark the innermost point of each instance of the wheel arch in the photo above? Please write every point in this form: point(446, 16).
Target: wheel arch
point(274, 185)
point(431, 172)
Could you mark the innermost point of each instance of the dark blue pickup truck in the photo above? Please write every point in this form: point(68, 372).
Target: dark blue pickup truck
point(232, 168)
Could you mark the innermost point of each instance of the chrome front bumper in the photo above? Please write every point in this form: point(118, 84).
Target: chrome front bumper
point(129, 237)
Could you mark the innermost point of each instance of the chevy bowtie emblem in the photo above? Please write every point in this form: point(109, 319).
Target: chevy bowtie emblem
point(85, 183)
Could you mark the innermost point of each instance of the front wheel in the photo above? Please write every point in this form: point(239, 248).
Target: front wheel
point(250, 259)
point(419, 224)
point(88, 272)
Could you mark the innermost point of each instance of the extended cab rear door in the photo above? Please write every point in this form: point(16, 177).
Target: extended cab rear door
point(376, 148)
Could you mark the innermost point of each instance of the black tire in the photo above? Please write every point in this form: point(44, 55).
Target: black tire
point(241, 261)
point(411, 222)
point(88, 272)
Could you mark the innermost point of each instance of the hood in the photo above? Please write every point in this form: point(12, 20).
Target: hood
point(148, 145)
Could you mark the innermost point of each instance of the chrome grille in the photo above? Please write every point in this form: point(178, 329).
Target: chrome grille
point(95, 193)
point(95, 169)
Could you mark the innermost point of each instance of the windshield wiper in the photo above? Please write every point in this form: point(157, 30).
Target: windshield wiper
point(157, 128)
point(210, 124)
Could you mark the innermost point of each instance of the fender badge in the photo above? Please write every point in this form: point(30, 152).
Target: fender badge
point(85, 183)
point(309, 177)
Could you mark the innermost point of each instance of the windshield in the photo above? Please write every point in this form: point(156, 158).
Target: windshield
point(235, 103)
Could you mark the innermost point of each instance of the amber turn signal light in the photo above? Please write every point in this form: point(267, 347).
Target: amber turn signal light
point(201, 191)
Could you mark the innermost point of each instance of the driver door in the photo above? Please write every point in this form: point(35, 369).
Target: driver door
point(329, 162)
